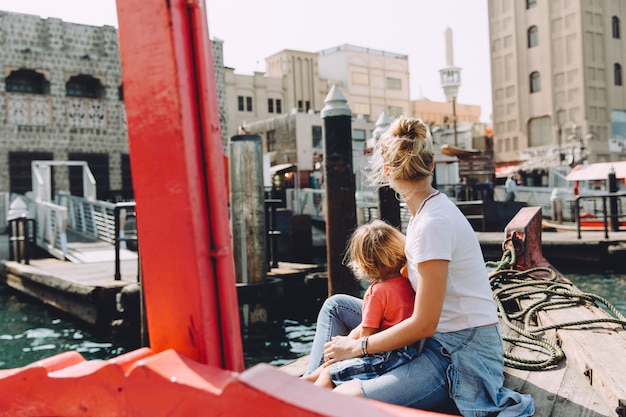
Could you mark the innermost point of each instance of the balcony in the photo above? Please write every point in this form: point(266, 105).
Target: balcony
point(86, 113)
point(29, 109)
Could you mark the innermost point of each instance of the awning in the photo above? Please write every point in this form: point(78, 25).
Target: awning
point(277, 169)
point(597, 171)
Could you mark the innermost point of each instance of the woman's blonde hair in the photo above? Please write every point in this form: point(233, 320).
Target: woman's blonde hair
point(405, 151)
point(375, 251)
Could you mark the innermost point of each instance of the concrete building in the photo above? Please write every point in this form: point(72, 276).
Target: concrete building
point(440, 113)
point(61, 98)
point(557, 81)
point(372, 80)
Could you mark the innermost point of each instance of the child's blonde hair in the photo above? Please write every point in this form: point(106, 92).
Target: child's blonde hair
point(375, 251)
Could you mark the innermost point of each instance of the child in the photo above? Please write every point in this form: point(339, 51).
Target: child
point(376, 254)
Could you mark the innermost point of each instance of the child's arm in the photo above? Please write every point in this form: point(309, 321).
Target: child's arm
point(366, 331)
point(360, 331)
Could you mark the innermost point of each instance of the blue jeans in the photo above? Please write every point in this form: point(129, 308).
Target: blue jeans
point(339, 314)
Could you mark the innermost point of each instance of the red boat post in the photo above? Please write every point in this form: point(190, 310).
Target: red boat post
point(178, 175)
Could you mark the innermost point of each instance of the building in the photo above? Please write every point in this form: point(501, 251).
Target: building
point(61, 98)
point(440, 113)
point(557, 82)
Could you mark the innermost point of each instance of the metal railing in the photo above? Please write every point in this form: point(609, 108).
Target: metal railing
point(611, 216)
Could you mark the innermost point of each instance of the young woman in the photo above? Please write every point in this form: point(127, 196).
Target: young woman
point(375, 254)
point(462, 364)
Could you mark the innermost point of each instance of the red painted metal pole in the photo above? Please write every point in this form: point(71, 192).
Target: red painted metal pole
point(178, 175)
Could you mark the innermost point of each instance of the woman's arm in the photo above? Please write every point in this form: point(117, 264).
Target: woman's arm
point(431, 290)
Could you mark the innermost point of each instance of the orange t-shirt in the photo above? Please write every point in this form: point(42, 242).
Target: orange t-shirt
point(387, 303)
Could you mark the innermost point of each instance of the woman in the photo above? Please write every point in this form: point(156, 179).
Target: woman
point(461, 365)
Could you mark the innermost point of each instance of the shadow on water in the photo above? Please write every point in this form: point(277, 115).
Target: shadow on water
point(30, 331)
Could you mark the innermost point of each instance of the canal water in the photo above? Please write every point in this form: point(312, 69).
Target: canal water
point(30, 331)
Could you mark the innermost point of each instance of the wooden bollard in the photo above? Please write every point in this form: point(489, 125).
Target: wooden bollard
point(339, 183)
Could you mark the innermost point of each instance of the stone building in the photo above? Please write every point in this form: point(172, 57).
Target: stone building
point(61, 98)
point(558, 89)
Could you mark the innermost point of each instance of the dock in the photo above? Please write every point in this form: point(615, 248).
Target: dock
point(86, 291)
point(564, 247)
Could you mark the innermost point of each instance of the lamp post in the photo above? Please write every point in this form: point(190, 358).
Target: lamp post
point(450, 79)
point(559, 133)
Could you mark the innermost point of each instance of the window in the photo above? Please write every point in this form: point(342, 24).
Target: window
point(533, 36)
point(394, 83)
point(531, 3)
point(270, 105)
point(360, 78)
point(394, 111)
point(362, 108)
point(307, 106)
point(358, 135)
point(617, 74)
point(535, 82)
point(244, 103)
point(539, 131)
point(316, 134)
point(300, 107)
point(271, 140)
point(84, 86)
point(615, 27)
point(279, 106)
point(618, 124)
point(27, 81)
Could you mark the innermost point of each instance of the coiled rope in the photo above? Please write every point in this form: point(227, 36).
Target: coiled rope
point(510, 286)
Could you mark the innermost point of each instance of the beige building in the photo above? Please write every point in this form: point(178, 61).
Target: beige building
point(298, 81)
point(372, 80)
point(440, 113)
point(558, 80)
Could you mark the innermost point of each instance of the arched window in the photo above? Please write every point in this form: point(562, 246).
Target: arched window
point(533, 36)
point(26, 81)
point(615, 27)
point(535, 82)
point(617, 74)
point(84, 86)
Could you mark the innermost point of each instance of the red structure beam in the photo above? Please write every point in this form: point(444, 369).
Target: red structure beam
point(178, 176)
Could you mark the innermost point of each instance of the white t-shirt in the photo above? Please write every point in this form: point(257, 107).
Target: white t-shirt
point(440, 231)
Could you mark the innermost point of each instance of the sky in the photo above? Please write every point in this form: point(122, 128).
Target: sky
point(253, 30)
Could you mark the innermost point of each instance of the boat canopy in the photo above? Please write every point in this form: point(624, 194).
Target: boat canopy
point(597, 171)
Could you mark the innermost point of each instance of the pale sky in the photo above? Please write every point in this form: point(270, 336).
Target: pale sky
point(253, 30)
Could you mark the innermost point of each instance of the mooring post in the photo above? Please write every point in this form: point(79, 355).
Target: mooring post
point(388, 204)
point(339, 187)
point(255, 292)
point(613, 212)
point(524, 233)
point(247, 200)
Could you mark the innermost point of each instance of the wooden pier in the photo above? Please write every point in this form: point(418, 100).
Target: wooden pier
point(86, 291)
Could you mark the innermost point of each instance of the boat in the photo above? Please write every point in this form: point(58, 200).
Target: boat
point(194, 363)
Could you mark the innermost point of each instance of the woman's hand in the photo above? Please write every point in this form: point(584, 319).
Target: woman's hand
point(340, 348)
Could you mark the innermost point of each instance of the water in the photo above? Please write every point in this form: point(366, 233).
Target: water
point(30, 331)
